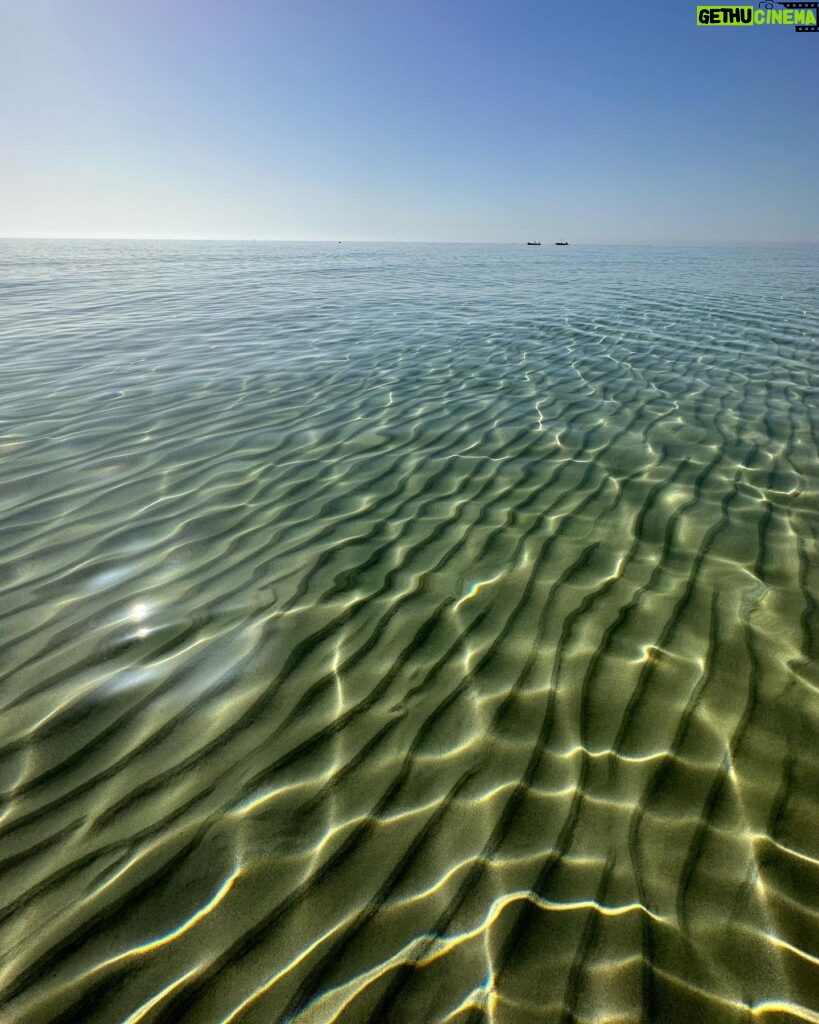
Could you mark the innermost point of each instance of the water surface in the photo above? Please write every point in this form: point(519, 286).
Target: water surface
point(408, 634)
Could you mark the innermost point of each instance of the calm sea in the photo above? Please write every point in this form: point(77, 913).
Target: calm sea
point(408, 634)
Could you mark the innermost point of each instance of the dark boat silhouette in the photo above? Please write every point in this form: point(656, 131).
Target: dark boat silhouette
point(533, 243)
point(561, 243)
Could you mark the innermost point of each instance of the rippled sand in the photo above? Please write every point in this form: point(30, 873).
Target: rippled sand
point(408, 634)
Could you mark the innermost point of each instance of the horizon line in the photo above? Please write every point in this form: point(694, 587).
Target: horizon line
point(390, 241)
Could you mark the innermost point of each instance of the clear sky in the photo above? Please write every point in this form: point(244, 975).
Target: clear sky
point(594, 120)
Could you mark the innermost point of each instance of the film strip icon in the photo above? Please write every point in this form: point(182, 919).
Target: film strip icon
point(798, 6)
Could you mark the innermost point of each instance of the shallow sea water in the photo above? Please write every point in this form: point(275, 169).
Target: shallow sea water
point(408, 634)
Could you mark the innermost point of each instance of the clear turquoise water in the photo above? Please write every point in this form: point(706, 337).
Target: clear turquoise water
point(408, 633)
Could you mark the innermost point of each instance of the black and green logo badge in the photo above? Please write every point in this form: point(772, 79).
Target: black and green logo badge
point(803, 16)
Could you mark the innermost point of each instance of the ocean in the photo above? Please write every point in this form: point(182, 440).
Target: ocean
point(419, 634)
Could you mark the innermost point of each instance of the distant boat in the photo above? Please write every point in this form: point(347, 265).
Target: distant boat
point(561, 243)
point(533, 243)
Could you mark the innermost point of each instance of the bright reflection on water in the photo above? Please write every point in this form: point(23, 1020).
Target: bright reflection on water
point(408, 634)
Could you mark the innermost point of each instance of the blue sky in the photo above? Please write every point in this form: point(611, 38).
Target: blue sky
point(404, 119)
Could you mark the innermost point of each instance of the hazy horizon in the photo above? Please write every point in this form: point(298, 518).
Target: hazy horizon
point(652, 243)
